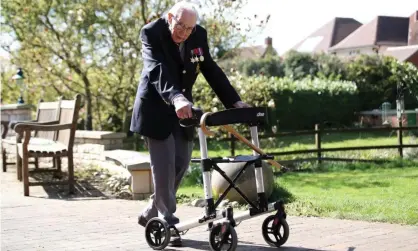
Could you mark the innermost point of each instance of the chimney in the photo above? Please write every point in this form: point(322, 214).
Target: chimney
point(268, 41)
point(413, 29)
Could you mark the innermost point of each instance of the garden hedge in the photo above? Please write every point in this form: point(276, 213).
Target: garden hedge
point(294, 104)
point(377, 77)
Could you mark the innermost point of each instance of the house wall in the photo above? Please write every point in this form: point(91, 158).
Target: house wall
point(355, 51)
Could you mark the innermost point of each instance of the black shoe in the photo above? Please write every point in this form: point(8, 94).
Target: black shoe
point(171, 221)
point(142, 221)
point(175, 240)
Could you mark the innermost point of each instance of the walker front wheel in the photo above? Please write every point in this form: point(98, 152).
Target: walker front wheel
point(157, 233)
point(276, 227)
point(223, 236)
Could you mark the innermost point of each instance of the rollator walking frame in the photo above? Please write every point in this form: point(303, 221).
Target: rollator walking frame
point(222, 223)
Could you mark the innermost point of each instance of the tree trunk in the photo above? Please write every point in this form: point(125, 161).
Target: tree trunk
point(88, 122)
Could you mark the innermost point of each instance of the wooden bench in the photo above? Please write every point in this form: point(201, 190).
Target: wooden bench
point(138, 164)
point(60, 146)
point(47, 113)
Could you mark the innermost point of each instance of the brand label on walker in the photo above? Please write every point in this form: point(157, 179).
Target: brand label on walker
point(260, 114)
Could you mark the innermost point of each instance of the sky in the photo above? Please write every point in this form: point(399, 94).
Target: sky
point(293, 20)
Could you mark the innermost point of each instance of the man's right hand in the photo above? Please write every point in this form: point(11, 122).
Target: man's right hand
point(183, 107)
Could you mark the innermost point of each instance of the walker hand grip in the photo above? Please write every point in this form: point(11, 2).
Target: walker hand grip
point(252, 116)
point(194, 120)
point(267, 157)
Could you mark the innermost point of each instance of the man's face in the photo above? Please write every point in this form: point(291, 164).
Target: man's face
point(182, 25)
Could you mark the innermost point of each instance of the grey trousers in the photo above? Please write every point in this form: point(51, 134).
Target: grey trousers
point(170, 160)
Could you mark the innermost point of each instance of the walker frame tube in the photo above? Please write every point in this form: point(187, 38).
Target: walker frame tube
point(212, 214)
point(207, 184)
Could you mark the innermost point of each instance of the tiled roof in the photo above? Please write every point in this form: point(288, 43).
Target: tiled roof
point(328, 35)
point(253, 52)
point(382, 30)
point(402, 53)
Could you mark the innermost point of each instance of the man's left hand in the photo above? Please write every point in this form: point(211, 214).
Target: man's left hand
point(240, 104)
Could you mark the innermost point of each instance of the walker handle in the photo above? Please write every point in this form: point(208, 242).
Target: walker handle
point(194, 120)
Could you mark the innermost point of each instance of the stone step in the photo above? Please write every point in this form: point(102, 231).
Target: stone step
point(131, 160)
point(138, 164)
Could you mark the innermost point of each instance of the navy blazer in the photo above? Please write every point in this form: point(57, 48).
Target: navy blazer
point(165, 75)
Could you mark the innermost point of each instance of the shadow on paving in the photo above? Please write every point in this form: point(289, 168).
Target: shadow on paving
point(84, 189)
point(242, 245)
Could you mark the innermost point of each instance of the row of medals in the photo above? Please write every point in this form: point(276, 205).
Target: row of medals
point(197, 59)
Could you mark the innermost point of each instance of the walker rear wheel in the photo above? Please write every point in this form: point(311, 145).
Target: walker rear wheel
point(157, 233)
point(223, 236)
point(276, 227)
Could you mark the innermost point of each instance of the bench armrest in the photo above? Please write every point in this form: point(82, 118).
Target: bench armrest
point(27, 127)
point(34, 122)
point(12, 123)
point(5, 128)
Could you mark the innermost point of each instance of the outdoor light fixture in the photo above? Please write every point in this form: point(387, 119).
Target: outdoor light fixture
point(20, 84)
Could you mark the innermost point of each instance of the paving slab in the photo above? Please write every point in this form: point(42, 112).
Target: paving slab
point(49, 220)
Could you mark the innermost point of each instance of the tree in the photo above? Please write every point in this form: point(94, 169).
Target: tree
point(227, 27)
point(69, 43)
point(93, 48)
point(298, 65)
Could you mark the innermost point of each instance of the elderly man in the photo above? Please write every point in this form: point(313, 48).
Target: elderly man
point(174, 51)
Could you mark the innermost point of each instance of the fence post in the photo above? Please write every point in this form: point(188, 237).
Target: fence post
point(400, 148)
point(232, 144)
point(318, 143)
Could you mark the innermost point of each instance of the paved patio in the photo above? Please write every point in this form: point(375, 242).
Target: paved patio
point(48, 221)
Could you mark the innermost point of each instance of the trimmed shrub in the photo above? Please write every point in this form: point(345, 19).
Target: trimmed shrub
point(302, 103)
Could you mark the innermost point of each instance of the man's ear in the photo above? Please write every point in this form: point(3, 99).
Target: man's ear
point(170, 18)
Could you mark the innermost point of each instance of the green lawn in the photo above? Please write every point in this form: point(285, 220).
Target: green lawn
point(376, 194)
point(347, 191)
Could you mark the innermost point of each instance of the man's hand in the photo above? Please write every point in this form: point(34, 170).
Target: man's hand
point(240, 104)
point(183, 107)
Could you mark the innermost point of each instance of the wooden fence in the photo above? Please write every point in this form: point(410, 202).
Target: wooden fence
point(319, 150)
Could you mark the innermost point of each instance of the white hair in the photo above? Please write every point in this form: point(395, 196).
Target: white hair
point(181, 6)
